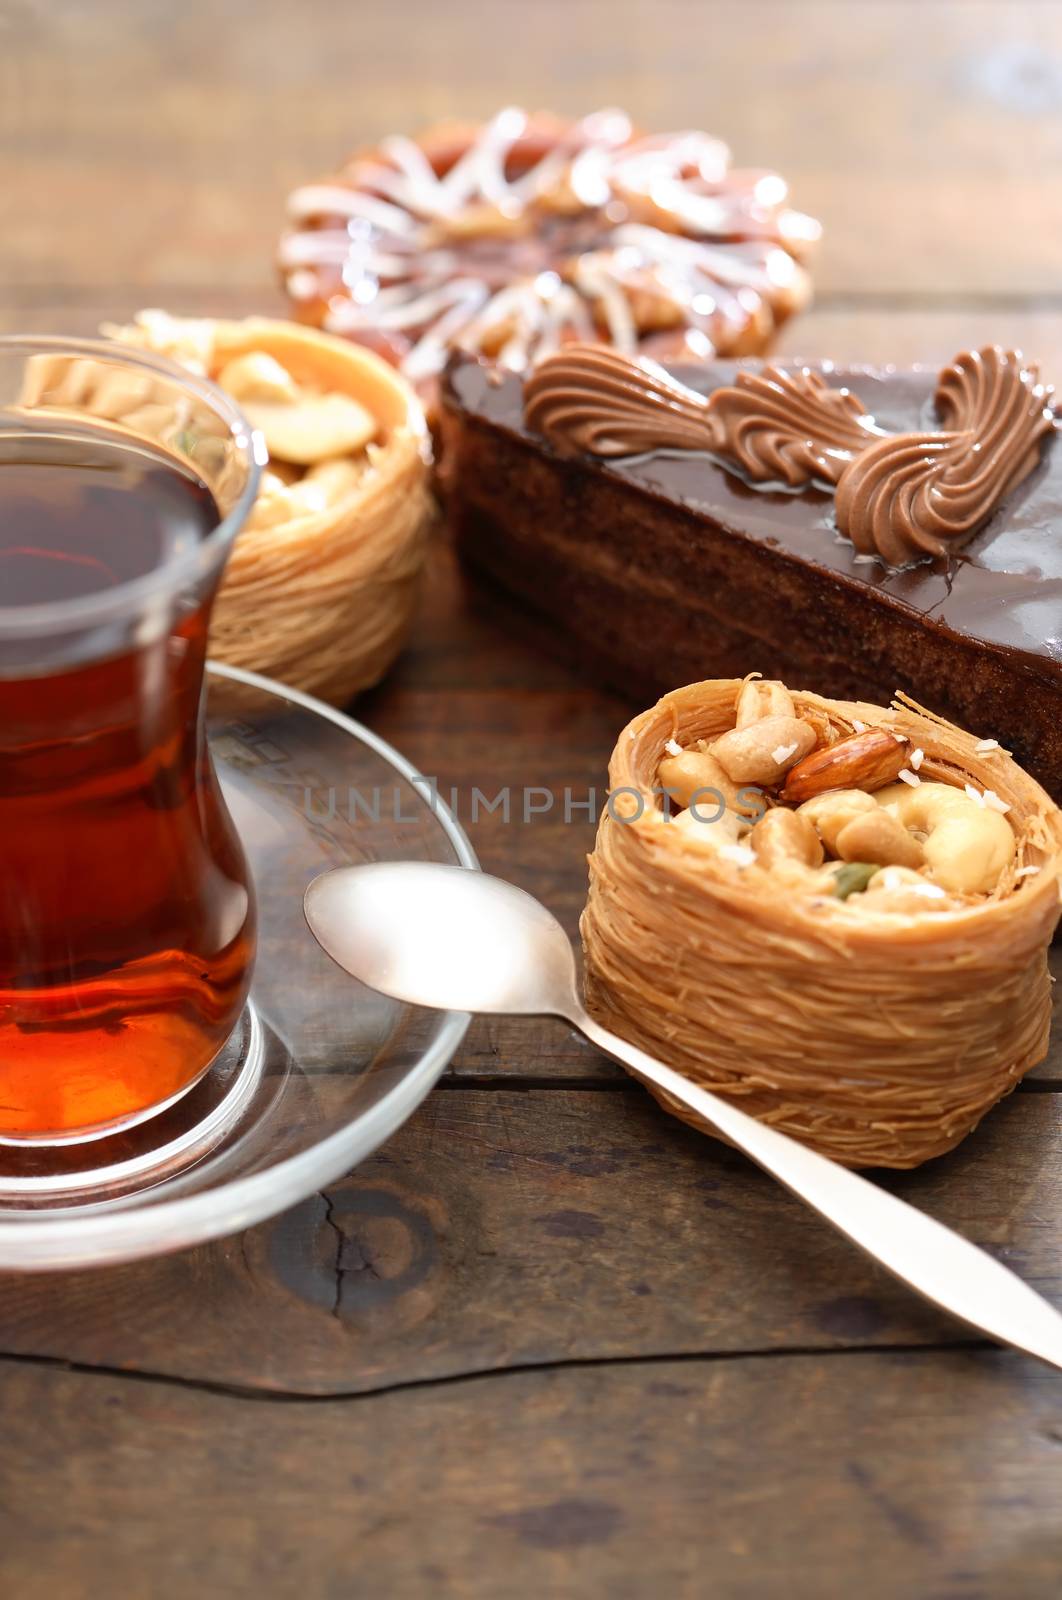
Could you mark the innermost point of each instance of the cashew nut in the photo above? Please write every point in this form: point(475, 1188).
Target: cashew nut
point(761, 698)
point(881, 837)
point(313, 428)
point(785, 836)
point(762, 752)
point(258, 376)
point(967, 845)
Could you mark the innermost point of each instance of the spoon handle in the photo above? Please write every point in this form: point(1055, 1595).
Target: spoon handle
point(948, 1270)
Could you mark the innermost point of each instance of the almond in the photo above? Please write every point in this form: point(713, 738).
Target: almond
point(865, 761)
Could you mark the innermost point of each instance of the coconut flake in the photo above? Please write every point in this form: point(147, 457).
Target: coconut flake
point(740, 854)
point(917, 757)
point(994, 803)
point(911, 778)
point(673, 747)
point(782, 752)
point(931, 891)
point(974, 794)
point(1026, 872)
point(985, 746)
point(857, 726)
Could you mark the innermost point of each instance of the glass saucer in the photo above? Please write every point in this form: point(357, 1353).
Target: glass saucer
point(319, 1070)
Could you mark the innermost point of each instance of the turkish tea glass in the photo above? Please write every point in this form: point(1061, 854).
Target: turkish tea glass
point(127, 916)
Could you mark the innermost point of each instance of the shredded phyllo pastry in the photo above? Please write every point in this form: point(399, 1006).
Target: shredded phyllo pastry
point(320, 586)
point(837, 914)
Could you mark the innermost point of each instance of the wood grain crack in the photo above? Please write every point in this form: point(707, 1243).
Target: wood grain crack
point(708, 1358)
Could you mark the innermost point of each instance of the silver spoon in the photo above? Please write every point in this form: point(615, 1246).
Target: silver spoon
point(452, 939)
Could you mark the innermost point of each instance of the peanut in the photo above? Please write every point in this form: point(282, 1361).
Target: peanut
point(878, 836)
point(724, 829)
point(117, 391)
point(763, 751)
point(683, 776)
point(862, 761)
point(58, 380)
point(273, 505)
point(785, 836)
point(897, 877)
point(761, 698)
point(831, 812)
point(153, 420)
point(825, 732)
point(327, 483)
point(899, 889)
point(967, 846)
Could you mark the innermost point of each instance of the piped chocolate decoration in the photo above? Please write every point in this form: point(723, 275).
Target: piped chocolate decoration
point(899, 496)
point(590, 400)
point(915, 494)
point(789, 427)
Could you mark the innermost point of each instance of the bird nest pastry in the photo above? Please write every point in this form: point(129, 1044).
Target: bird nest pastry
point(321, 583)
point(833, 913)
point(512, 237)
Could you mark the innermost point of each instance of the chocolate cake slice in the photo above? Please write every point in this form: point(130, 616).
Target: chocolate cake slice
point(857, 532)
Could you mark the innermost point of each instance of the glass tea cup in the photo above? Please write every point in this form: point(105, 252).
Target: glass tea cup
point(127, 919)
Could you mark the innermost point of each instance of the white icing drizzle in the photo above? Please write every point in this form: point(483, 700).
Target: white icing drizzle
point(403, 271)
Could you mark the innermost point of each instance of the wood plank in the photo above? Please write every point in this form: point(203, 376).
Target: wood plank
point(856, 332)
point(935, 1475)
point(154, 145)
point(80, 311)
point(914, 335)
point(499, 1230)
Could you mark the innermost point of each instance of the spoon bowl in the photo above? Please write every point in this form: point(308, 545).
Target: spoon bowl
point(444, 936)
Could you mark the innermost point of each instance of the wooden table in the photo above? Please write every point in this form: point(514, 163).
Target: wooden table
point(624, 1364)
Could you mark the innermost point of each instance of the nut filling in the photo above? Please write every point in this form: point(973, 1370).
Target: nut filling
point(837, 913)
point(945, 845)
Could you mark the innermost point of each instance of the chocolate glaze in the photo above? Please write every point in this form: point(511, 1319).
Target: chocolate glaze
point(1004, 589)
